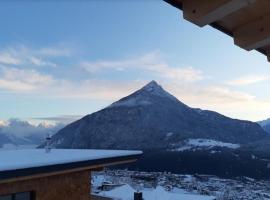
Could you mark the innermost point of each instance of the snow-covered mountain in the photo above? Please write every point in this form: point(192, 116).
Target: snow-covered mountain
point(152, 118)
point(15, 132)
point(173, 136)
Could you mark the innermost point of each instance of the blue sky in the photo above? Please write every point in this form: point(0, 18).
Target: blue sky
point(74, 57)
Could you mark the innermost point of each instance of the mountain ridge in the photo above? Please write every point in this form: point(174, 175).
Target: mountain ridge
point(265, 124)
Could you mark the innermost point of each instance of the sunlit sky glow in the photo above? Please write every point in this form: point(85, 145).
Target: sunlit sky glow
point(74, 57)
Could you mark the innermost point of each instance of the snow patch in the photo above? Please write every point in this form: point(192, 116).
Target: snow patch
point(131, 102)
point(192, 144)
point(212, 143)
point(169, 134)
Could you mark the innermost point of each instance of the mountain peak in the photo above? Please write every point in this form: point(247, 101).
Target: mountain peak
point(155, 89)
point(151, 86)
point(144, 96)
point(152, 83)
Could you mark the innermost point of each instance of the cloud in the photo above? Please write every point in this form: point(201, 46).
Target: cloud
point(63, 119)
point(222, 99)
point(20, 55)
point(23, 80)
point(230, 102)
point(149, 63)
point(40, 62)
point(22, 128)
point(185, 82)
point(208, 95)
point(248, 80)
point(6, 58)
point(3, 123)
point(15, 85)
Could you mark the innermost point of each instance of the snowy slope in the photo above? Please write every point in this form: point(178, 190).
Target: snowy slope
point(193, 144)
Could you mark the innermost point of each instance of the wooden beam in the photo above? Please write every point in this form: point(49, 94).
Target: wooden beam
point(203, 12)
point(88, 168)
point(253, 35)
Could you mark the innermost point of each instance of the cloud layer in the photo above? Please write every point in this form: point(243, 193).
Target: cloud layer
point(149, 63)
point(248, 80)
point(21, 129)
point(29, 71)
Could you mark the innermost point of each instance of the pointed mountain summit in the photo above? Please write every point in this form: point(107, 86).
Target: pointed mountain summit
point(151, 118)
point(155, 89)
point(147, 95)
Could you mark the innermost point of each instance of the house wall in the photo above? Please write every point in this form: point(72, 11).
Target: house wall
point(68, 186)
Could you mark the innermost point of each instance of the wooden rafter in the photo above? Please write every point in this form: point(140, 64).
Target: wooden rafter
point(203, 12)
point(253, 35)
point(247, 21)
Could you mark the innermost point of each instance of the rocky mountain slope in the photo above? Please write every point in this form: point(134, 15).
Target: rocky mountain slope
point(151, 118)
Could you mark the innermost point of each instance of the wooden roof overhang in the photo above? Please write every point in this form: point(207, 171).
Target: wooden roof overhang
point(247, 21)
point(55, 169)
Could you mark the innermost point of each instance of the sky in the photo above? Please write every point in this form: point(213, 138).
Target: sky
point(62, 60)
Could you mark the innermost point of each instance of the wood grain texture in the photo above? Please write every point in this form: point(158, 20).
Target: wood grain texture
point(68, 186)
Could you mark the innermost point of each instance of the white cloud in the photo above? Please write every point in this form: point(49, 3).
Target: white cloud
point(248, 80)
point(186, 83)
point(218, 98)
point(3, 123)
point(6, 58)
point(20, 128)
point(21, 55)
point(15, 85)
point(150, 63)
point(203, 95)
point(62, 119)
point(188, 74)
point(40, 62)
point(232, 103)
point(23, 80)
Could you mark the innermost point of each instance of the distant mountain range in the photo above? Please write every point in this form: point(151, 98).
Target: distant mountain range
point(15, 132)
point(187, 139)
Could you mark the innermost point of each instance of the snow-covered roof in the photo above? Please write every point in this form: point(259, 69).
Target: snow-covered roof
point(24, 162)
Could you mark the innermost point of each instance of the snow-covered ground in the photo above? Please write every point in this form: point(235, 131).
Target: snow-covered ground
point(126, 192)
point(203, 143)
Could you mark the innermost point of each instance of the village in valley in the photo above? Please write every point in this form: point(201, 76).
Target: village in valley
point(207, 187)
